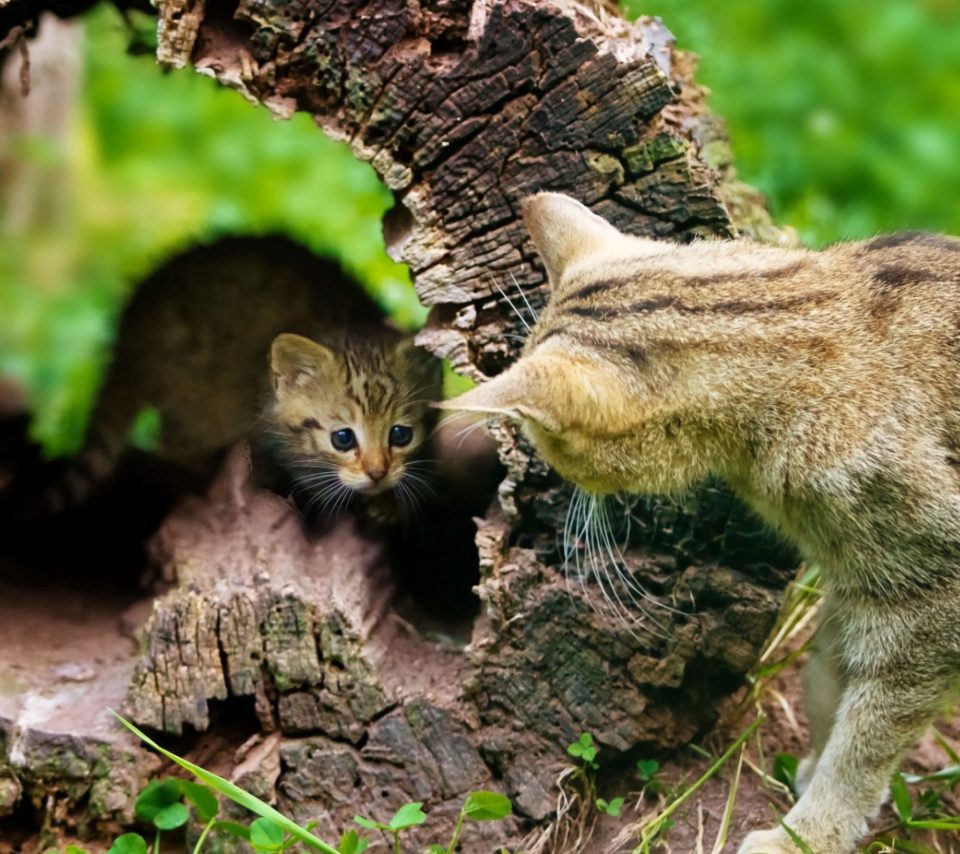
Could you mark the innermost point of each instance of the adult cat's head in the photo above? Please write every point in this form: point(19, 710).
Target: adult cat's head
point(353, 413)
point(584, 389)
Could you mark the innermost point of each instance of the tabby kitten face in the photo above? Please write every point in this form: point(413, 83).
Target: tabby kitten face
point(353, 416)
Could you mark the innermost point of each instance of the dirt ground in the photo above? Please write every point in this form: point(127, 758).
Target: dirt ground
point(757, 804)
point(60, 634)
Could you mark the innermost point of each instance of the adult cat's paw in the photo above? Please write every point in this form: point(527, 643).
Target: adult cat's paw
point(776, 841)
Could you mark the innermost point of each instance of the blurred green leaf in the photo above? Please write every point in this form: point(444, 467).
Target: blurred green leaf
point(647, 768)
point(202, 798)
point(171, 817)
point(350, 843)
point(901, 797)
point(785, 770)
point(129, 843)
point(842, 113)
point(233, 828)
point(266, 836)
point(157, 796)
point(408, 815)
point(486, 806)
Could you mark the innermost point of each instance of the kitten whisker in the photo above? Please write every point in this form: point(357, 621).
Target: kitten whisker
point(405, 400)
point(413, 479)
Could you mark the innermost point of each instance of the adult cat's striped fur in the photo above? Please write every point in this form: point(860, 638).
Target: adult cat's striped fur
point(825, 388)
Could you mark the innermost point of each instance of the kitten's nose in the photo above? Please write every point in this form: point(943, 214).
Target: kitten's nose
point(376, 475)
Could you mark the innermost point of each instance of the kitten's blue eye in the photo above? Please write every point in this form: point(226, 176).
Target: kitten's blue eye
point(400, 435)
point(343, 440)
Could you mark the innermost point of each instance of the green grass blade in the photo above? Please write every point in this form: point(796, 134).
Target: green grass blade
point(947, 823)
point(806, 849)
point(649, 828)
point(949, 773)
point(235, 793)
point(721, 841)
point(901, 797)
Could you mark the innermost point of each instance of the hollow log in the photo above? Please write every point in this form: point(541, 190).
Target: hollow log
point(463, 109)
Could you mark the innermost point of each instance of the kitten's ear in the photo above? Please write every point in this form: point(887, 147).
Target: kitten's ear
point(295, 359)
point(424, 369)
point(564, 231)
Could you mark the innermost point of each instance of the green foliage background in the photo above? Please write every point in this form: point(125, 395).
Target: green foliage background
point(845, 114)
point(154, 162)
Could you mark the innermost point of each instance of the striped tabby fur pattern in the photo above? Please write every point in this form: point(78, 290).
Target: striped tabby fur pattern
point(192, 344)
point(352, 415)
point(824, 387)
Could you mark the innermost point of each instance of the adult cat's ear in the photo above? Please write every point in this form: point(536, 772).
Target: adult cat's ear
point(295, 359)
point(565, 231)
point(512, 394)
point(555, 391)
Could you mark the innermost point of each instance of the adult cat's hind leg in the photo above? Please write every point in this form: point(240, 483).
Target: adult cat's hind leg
point(880, 715)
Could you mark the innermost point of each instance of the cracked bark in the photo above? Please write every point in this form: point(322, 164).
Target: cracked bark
point(463, 109)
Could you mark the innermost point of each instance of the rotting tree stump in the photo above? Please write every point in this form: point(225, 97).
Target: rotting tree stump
point(462, 109)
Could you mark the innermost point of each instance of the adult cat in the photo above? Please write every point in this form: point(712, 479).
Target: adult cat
point(824, 388)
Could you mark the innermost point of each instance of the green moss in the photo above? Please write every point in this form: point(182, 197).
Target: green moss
point(646, 156)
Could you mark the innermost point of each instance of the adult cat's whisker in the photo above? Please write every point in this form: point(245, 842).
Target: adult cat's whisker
point(587, 520)
point(464, 434)
point(600, 571)
point(530, 308)
point(580, 527)
point(636, 593)
point(516, 311)
point(619, 563)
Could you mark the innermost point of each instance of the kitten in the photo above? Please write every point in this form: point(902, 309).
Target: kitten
point(351, 418)
point(825, 388)
point(352, 422)
point(192, 344)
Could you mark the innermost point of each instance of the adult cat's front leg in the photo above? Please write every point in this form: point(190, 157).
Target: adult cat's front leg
point(879, 717)
point(823, 684)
